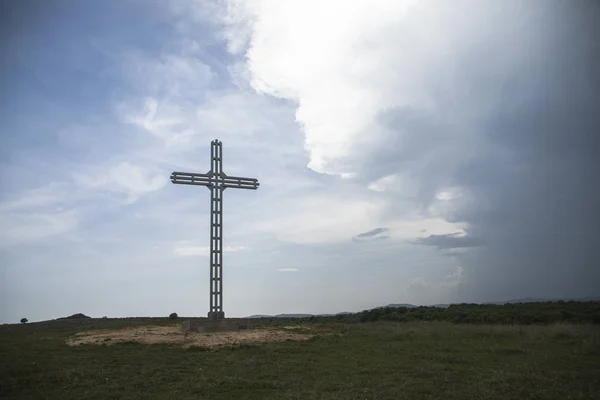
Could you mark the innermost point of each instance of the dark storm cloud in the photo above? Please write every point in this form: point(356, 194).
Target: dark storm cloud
point(525, 156)
point(375, 234)
point(535, 192)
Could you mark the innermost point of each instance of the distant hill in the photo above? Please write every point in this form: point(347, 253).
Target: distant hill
point(333, 315)
point(537, 300)
point(281, 316)
point(398, 306)
point(295, 315)
point(395, 305)
point(75, 316)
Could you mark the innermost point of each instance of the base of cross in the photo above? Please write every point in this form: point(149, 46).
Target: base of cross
point(216, 315)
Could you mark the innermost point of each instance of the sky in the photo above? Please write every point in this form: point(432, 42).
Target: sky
point(416, 152)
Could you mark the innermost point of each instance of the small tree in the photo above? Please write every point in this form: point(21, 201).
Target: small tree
point(23, 320)
point(173, 316)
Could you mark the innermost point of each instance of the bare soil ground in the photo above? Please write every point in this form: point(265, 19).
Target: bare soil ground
point(175, 335)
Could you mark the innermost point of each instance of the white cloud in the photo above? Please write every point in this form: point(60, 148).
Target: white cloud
point(330, 58)
point(216, 115)
point(169, 75)
point(27, 227)
point(417, 284)
point(182, 120)
point(344, 64)
point(38, 213)
point(165, 92)
point(287, 270)
point(172, 122)
point(321, 219)
point(185, 250)
point(447, 201)
point(455, 278)
point(188, 251)
point(51, 194)
point(188, 15)
point(127, 179)
point(449, 194)
point(383, 184)
point(419, 227)
point(234, 249)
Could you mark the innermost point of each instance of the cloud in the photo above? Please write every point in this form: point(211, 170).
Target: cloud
point(455, 278)
point(287, 270)
point(203, 251)
point(191, 104)
point(166, 121)
point(383, 184)
point(184, 250)
point(48, 195)
point(375, 234)
point(320, 219)
point(417, 284)
point(176, 76)
point(340, 74)
point(164, 92)
point(132, 181)
point(25, 228)
point(449, 131)
point(450, 241)
point(417, 227)
point(39, 213)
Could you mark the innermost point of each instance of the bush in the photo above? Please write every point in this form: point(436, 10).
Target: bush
point(173, 316)
point(540, 313)
point(23, 320)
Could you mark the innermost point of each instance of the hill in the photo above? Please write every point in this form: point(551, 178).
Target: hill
point(408, 305)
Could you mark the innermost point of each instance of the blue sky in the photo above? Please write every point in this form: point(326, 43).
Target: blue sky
point(407, 152)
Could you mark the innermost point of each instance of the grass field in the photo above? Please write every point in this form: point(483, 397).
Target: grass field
point(381, 360)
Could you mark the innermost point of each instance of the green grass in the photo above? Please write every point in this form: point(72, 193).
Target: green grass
point(382, 360)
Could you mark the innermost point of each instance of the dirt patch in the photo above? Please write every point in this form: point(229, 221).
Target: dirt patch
point(174, 335)
point(289, 327)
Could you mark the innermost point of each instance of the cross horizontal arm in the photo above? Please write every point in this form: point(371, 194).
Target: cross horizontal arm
point(235, 185)
point(196, 183)
point(188, 178)
point(194, 174)
point(209, 179)
point(238, 182)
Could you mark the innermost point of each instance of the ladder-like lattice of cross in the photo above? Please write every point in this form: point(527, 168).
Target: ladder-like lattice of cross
point(217, 181)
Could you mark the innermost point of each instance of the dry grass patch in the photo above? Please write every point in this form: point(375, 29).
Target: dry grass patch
point(174, 335)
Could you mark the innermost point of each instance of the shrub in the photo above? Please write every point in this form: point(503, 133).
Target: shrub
point(23, 320)
point(173, 316)
point(540, 313)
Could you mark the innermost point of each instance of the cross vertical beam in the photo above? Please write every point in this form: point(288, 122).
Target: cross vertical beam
point(216, 233)
point(217, 181)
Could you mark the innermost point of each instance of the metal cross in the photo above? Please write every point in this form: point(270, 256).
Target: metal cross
point(217, 181)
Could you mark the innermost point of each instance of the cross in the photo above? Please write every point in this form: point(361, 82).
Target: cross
point(217, 181)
